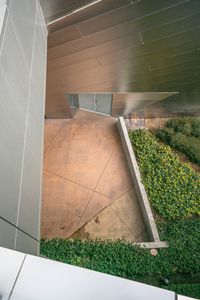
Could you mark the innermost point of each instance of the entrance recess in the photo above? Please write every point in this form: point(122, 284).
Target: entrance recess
point(99, 103)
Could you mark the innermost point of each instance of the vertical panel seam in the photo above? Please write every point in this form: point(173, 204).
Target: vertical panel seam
point(25, 133)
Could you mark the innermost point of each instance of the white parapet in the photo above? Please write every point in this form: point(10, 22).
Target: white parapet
point(27, 277)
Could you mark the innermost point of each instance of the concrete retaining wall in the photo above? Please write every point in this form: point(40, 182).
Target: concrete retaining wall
point(139, 188)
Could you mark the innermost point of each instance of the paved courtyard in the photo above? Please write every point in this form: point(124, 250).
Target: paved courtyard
point(87, 189)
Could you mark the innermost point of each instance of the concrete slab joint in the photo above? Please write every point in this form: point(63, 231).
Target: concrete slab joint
point(155, 241)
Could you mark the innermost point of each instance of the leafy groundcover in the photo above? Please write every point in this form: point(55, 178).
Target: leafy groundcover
point(190, 290)
point(128, 261)
point(173, 187)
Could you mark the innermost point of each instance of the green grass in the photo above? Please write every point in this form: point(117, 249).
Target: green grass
point(173, 187)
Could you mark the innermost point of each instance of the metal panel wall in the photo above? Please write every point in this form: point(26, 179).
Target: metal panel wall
point(138, 46)
point(22, 96)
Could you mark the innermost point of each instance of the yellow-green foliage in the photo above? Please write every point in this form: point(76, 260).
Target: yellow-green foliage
point(173, 187)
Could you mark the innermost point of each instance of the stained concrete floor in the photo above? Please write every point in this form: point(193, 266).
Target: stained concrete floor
point(87, 189)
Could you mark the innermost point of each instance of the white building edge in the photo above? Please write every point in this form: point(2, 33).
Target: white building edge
point(27, 277)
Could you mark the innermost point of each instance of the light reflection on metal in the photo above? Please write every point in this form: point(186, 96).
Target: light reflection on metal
point(74, 12)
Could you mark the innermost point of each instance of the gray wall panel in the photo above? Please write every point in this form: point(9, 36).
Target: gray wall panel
point(23, 14)
point(22, 98)
point(39, 61)
point(13, 64)
point(12, 124)
point(30, 197)
point(7, 235)
point(26, 244)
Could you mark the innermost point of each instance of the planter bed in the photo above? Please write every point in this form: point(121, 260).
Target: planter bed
point(173, 187)
point(155, 241)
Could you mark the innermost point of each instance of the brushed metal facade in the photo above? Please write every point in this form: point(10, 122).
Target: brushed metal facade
point(23, 51)
point(126, 46)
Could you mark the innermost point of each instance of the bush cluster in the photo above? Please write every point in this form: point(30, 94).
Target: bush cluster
point(128, 261)
point(173, 187)
point(189, 145)
point(188, 126)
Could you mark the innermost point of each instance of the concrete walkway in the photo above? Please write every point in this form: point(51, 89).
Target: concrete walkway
point(87, 190)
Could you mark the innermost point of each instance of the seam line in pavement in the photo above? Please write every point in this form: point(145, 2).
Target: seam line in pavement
point(67, 179)
point(104, 169)
point(53, 140)
point(141, 233)
point(123, 222)
point(94, 190)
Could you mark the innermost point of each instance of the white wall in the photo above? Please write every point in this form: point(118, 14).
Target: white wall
point(25, 277)
point(23, 48)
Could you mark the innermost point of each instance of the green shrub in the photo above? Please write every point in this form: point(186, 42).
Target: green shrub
point(189, 145)
point(128, 261)
point(190, 290)
point(165, 134)
point(173, 187)
point(187, 125)
point(195, 127)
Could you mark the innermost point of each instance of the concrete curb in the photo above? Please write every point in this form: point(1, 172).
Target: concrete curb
point(152, 231)
point(152, 245)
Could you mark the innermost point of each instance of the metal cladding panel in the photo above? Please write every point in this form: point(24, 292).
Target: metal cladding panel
point(137, 46)
point(26, 244)
point(25, 33)
point(7, 235)
point(21, 119)
point(136, 10)
point(64, 35)
point(100, 8)
point(14, 102)
point(53, 9)
point(30, 199)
